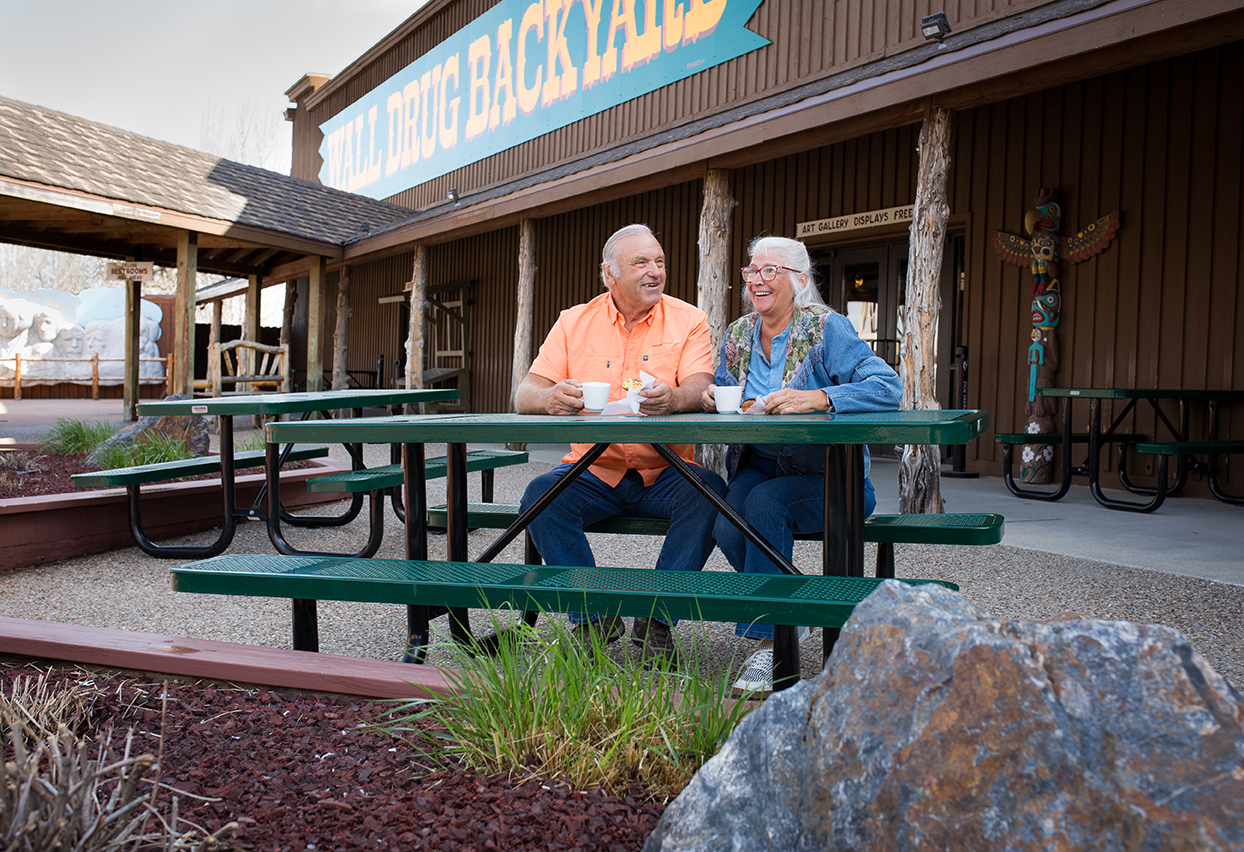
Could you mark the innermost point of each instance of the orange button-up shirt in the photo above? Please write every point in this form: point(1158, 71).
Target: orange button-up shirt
point(589, 343)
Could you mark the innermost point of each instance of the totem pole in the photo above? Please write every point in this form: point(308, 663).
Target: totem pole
point(1041, 254)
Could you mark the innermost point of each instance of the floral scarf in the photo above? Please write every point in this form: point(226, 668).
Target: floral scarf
point(807, 328)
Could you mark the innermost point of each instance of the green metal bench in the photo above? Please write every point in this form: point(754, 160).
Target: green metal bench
point(1010, 440)
point(884, 530)
point(133, 478)
point(390, 476)
point(379, 481)
point(700, 595)
point(165, 471)
point(1213, 449)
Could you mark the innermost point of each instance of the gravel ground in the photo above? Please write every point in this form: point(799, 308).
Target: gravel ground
point(128, 590)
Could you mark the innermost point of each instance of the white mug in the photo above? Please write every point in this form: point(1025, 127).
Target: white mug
point(595, 395)
point(729, 399)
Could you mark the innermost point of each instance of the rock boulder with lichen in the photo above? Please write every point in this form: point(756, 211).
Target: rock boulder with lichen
point(937, 726)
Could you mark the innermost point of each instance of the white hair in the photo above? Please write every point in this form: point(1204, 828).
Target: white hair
point(609, 255)
point(794, 255)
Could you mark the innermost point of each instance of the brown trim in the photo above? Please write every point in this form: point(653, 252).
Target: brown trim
point(222, 661)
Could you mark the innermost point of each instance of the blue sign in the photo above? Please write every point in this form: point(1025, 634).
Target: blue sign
point(520, 70)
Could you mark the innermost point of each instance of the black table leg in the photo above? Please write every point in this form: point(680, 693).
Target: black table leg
point(456, 529)
point(414, 484)
point(843, 546)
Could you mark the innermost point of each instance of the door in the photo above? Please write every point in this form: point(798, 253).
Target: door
point(869, 285)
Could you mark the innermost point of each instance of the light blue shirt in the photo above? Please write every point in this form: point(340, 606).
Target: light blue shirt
point(765, 376)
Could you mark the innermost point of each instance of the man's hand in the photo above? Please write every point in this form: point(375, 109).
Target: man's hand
point(708, 399)
point(661, 398)
point(657, 399)
point(565, 397)
point(538, 395)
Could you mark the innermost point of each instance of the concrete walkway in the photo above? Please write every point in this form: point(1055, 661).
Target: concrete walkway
point(1186, 537)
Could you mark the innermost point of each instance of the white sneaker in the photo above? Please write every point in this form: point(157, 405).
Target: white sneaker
point(758, 674)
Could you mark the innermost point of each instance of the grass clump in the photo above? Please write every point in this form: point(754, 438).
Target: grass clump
point(60, 789)
point(153, 448)
point(76, 437)
point(544, 706)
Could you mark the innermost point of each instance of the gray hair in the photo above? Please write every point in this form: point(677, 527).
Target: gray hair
point(792, 254)
point(609, 255)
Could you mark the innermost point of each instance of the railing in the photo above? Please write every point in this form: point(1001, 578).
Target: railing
point(15, 381)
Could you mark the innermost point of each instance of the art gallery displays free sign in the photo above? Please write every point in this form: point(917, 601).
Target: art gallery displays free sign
point(518, 71)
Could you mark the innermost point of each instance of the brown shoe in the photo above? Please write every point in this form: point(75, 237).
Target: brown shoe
point(608, 628)
point(656, 640)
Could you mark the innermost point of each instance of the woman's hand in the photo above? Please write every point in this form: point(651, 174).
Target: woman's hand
point(708, 401)
point(789, 401)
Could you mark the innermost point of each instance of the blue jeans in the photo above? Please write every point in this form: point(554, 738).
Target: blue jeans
point(558, 530)
point(778, 506)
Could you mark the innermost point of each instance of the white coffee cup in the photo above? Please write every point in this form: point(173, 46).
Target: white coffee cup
point(729, 399)
point(595, 395)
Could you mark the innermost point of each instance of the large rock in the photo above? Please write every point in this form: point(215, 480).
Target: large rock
point(190, 429)
point(936, 726)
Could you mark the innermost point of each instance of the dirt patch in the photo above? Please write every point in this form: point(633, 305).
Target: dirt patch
point(299, 771)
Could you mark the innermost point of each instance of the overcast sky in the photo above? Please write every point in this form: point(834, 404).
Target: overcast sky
point(162, 67)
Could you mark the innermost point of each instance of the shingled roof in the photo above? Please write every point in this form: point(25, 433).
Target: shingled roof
point(63, 152)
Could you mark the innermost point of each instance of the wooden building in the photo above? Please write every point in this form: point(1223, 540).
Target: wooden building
point(1132, 106)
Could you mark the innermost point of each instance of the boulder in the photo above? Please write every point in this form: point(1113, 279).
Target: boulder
point(190, 429)
point(937, 726)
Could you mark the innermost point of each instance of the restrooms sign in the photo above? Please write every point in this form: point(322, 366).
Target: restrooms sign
point(518, 71)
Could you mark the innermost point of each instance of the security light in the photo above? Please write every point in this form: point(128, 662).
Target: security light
point(935, 27)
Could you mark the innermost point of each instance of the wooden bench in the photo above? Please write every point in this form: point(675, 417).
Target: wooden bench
point(884, 530)
point(1010, 440)
point(133, 478)
point(1213, 449)
point(699, 595)
point(261, 367)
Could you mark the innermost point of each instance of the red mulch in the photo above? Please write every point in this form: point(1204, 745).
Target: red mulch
point(54, 472)
point(52, 477)
point(296, 773)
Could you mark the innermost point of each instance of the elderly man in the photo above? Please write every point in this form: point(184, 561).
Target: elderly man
point(631, 328)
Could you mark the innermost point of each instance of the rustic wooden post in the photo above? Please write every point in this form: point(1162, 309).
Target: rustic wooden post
point(919, 472)
point(713, 286)
point(183, 312)
point(340, 377)
point(17, 376)
point(133, 321)
point(287, 315)
point(168, 375)
point(418, 309)
point(250, 331)
point(315, 325)
point(526, 295)
point(95, 376)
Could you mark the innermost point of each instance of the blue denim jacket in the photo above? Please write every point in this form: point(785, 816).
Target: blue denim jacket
point(823, 353)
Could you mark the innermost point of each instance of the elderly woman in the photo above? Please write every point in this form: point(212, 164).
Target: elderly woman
point(798, 356)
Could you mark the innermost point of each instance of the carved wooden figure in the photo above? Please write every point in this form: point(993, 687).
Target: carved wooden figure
point(1041, 253)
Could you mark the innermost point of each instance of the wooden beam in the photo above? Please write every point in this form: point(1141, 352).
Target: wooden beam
point(919, 472)
point(315, 325)
point(415, 342)
point(183, 313)
point(713, 286)
point(525, 297)
point(340, 377)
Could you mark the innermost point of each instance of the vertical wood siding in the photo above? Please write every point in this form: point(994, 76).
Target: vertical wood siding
point(1161, 307)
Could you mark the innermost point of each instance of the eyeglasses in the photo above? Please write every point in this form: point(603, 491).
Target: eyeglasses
point(767, 272)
